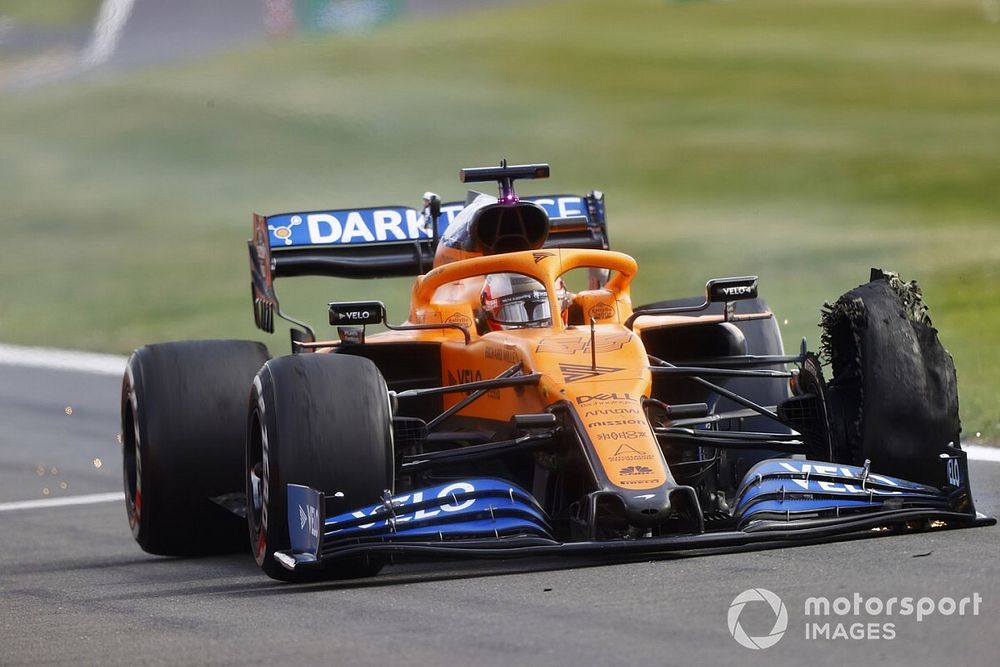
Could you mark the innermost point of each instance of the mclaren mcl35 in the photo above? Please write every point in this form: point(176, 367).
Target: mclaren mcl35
point(525, 406)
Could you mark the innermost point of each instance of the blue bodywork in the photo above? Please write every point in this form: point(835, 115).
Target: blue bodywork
point(471, 509)
point(779, 500)
point(796, 488)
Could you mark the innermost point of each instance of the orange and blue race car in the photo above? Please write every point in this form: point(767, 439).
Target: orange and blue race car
point(525, 406)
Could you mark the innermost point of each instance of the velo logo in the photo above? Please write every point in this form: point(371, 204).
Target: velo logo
point(777, 608)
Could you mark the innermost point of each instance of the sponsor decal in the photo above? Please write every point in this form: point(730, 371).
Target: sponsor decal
point(575, 372)
point(556, 206)
point(629, 453)
point(561, 206)
point(820, 486)
point(577, 343)
point(617, 422)
point(635, 470)
point(284, 232)
point(309, 515)
point(812, 469)
point(356, 313)
point(646, 483)
point(387, 224)
point(353, 315)
point(622, 439)
point(508, 354)
point(614, 436)
point(348, 227)
point(463, 375)
point(304, 518)
point(601, 311)
point(727, 289)
point(418, 497)
point(460, 319)
point(584, 399)
point(603, 412)
point(539, 256)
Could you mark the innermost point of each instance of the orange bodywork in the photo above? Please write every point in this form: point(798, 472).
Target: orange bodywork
point(605, 385)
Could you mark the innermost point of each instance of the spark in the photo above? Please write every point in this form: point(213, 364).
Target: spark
point(63, 485)
point(45, 491)
point(118, 437)
point(786, 321)
point(98, 463)
point(54, 471)
point(68, 410)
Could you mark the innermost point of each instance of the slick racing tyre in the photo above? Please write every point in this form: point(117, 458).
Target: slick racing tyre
point(183, 427)
point(323, 421)
point(894, 395)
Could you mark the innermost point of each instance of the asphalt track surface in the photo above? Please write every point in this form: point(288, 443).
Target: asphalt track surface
point(75, 588)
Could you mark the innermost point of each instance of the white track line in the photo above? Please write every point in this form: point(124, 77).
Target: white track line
point(108, 30)
point(62, 360)
point(980, 453)
point(65, 501)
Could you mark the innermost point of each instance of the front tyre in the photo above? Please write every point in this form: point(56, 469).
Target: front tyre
point(323, 421)
point(183, 427)
point(894, 394)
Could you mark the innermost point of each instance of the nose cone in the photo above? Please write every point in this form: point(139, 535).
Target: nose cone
point(668, 503)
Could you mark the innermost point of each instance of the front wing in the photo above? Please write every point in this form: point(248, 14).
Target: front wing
point(780, 502)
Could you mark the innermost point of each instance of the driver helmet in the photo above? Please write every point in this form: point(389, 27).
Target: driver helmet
point(515, 301)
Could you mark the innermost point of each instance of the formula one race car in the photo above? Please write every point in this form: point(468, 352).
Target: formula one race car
point(526, 407)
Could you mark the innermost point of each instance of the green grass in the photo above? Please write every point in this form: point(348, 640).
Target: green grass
point(805, 141)
point(50, 13)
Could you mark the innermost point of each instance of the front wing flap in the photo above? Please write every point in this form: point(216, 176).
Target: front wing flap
point(780, 502)
point(792, 489)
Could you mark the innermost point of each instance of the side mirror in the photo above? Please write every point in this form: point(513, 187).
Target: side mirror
point(731, 289)
point(357, 312)
point(717, 290)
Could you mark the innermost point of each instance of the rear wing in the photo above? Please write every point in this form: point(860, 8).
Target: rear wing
point(386, 242)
